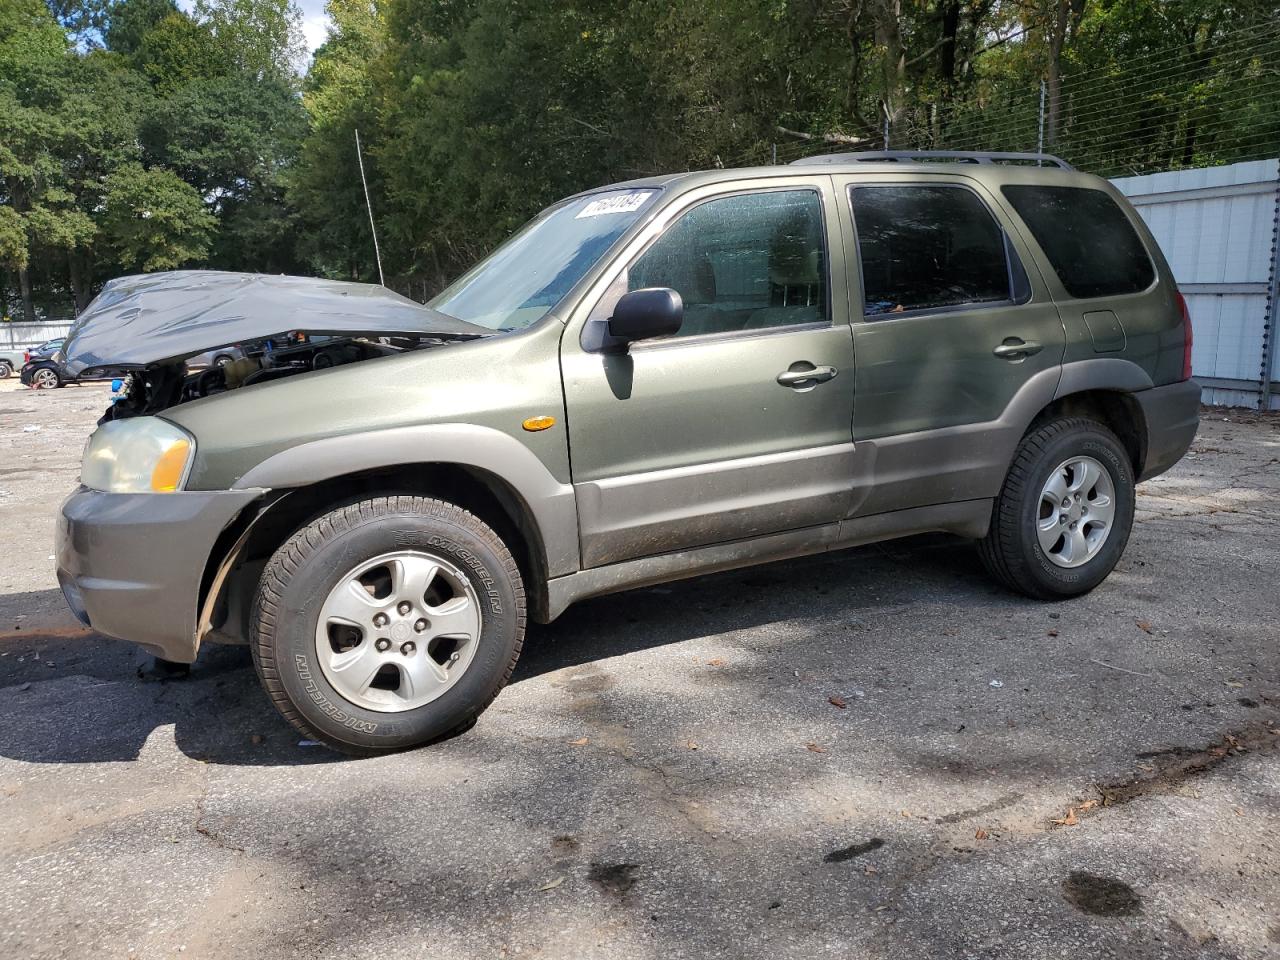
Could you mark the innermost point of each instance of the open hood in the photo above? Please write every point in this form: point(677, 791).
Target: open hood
point(158, 318)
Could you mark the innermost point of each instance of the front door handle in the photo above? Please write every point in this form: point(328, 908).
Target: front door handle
point(1015, 348)
point(804, 375)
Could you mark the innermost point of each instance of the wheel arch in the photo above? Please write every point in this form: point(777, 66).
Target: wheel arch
point(1102, 389)
point(235, 563)
point(486, 472)
point(1117, 410)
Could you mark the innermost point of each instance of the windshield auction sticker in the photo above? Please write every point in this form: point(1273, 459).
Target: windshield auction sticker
point(615, 203)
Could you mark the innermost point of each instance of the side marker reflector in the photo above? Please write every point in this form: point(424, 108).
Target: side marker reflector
point(534, 424)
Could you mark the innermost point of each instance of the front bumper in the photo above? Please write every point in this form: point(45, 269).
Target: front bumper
point(1172, 415)
point(130, 564)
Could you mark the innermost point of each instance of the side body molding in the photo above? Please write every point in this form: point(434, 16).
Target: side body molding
point(549, 502)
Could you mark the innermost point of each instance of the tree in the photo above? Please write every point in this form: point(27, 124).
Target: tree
point(178, 51)
point(263, 37)
point(131, 20)
point(324, 185)
point(154, 220)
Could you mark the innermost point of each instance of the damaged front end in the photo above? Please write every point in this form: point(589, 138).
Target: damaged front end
point(146, 328)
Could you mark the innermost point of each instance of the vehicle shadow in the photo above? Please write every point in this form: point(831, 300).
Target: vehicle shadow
point(68, 695)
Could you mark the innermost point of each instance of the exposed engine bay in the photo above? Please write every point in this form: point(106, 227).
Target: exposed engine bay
point(157, 388)
point(149, 330)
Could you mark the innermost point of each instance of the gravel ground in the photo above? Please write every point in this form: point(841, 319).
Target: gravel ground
point(875, 753)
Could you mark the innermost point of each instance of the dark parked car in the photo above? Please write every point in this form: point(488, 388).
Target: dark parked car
point(39, 368)
point(43, 367)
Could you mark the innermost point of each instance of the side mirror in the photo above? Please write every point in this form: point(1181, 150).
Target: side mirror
point(647, 313)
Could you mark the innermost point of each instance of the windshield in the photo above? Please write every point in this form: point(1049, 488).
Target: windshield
point(521, 281)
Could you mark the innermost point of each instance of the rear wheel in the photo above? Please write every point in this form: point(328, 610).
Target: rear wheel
point(388, 623)
point(6, 370)
point(1062, 519)
point(46, 378)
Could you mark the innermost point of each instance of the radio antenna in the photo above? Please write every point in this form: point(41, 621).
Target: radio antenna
point(377, 254)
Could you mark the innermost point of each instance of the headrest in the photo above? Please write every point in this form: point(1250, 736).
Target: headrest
point(794, 257)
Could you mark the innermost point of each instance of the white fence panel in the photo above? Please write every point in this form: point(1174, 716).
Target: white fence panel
point(16, 336)
point(1218, 228)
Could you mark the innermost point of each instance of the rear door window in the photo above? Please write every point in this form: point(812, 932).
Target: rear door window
point(930, 247)
point(1090, 243)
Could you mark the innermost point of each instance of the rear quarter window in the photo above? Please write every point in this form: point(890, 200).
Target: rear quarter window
point(1090, 243)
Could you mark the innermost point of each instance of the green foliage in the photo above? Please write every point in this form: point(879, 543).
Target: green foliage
point(325, 186)
point(474, 114)
point(168, 147)
point(132, 20)
point(262, 37)
point(177, 51)
point(155, 220)
point(13, 240)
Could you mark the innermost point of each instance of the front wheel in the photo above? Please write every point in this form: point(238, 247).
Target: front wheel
point(388, 623)
point(1063, 517)
point(6, 370)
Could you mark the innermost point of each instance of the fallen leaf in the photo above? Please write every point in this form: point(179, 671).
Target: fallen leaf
point(814, 748)
point(837, 702)
point(717, 662)
point(1144, 626)
point(906, 813)
point(1053, 633)
point(551, 884)
point(1069, 820)
point(691, 745)
point(981, 834)
point(1088, 805)
point(1233, 683)
point(870, 870)
point(580, 742)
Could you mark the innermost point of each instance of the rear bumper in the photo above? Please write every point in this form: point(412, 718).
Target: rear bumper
point(130, 564)
point(1172, 415)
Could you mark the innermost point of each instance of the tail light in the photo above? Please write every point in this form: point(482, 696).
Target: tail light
point(1187, 337)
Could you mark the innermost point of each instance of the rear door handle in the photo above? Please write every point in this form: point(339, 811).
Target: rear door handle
point(1015, 348)
point(803, 375)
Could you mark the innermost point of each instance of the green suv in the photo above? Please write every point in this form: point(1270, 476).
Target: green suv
point(649, 381)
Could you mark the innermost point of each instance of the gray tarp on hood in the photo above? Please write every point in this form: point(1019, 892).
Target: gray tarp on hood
point(156, 318)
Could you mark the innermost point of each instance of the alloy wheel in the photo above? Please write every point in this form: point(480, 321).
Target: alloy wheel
point(1076, 512)
point(398, 631)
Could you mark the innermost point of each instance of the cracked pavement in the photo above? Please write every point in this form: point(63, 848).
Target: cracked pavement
point(670, 773)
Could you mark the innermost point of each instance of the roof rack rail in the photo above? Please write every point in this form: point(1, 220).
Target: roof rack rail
point(953, 156)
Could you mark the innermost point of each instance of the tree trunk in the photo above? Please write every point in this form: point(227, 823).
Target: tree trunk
point(1057, 37)
point(24, 285)
point(79, 289)
point(950, 39)
point(893, 69)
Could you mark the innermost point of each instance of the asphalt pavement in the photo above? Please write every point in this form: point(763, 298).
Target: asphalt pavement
point(873, 753)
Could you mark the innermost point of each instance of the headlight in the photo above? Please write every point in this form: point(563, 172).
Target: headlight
point(139, 455)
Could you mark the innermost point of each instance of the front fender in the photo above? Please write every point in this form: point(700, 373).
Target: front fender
point(550, 502)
